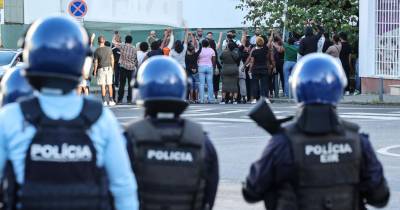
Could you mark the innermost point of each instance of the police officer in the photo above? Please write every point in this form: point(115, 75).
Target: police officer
point(14, 87)
point(174, 161)
point(63, 148)
point(318, 161)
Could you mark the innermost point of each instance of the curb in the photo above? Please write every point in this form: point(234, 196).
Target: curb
point(96, 91)
point(282, 101)
point(292, 101)
point(371, 103)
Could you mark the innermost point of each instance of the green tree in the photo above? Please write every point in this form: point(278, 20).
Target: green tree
point(335, 15)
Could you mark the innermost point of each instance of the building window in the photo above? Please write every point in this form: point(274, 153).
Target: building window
point(387, 38)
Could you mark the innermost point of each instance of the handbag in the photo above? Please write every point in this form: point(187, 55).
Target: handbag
point(216, 72)
point(242, 70)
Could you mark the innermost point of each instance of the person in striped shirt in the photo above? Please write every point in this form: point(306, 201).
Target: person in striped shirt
point(128, 66)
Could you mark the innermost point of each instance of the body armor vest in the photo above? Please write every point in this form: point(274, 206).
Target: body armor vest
point(60, 165)
point(169, 165)
point(328, 167)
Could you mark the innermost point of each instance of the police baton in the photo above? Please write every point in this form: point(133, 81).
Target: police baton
point(263, 115)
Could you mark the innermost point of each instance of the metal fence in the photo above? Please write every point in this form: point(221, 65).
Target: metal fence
point(387, 38)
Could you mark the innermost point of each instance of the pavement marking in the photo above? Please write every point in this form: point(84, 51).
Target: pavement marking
point(225, 126)
point(245, 119)
point(212, 114)
point(201, 110)
point(366, 116)
point(127, 118)
point(226, 120)
point(385, 151)
point(367, 108)
point(242, 137)
point(373, 114)
point(124, 106)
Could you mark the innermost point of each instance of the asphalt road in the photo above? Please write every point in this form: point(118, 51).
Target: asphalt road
point(239, 142)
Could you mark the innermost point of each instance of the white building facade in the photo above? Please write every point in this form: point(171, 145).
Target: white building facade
point(127, 16)
point(379, 44)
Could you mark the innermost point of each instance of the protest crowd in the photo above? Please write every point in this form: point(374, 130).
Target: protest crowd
point(224, 69)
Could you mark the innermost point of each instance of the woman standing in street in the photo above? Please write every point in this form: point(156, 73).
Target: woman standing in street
point(179, 51)
point(217, 76)
point(291, 50)
point(192, 69)
point(260, 65)
point(230, 73)
point(335, 49)
point(207, 64)
point(279, 55)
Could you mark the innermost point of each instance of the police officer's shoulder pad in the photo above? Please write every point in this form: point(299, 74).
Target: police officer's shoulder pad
point(350, 125)
point(92, 110)
point(139, 131)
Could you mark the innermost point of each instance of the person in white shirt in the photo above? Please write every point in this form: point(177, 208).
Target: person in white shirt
point(321, 43)
point(230, 36)
point(143, 49)
point(179, 51)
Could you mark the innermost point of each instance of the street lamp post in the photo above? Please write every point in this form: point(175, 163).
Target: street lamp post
point(284, 20)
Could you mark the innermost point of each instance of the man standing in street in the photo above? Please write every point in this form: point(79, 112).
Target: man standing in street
point(152, 37)
point(117, 53)
point(199, 35)
point(345, 58)
point(253, 38)
point(231, 37)
point(309, 44)
point(128, 65)
point(104, 70)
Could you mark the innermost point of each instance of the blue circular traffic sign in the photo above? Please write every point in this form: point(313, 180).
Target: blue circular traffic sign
point(77, 8)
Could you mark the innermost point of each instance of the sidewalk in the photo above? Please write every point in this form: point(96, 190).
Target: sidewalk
point(371, 99)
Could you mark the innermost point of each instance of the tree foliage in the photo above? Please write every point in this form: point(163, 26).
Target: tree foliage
point(335, 15)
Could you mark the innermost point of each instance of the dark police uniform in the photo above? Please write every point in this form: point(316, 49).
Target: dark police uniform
point(318, 161)
point(175, 163)
point(329, 166)
point(14, 87)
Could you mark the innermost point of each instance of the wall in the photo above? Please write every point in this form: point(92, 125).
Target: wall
point(34, 9)
point(14, 11)
point(11, 33)
point(141, 35)
point(162, 12)
point(195, 13)
point(135, 17)
point(367, 38)
point(372, 85)
point(212, 14)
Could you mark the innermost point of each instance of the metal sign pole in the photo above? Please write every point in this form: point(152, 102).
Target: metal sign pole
point(284, 20)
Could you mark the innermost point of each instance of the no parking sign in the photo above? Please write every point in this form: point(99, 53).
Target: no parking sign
point(77, 8)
